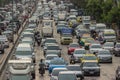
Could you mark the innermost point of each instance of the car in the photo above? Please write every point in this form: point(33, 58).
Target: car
point(27, 40)
point(109, 46)
point(95, 47)
point(104, 56)
point(78, 54)
point(88, 57)
point(67, 75)
point(60, 27)
point(55, 73)
point(57, 63)
point(79, 32)
point(118, 73)
point(4, 39)
point(117, 49)
point(52, 47)
point(48, 40)
point(72, 47)
point(66, 38)
point(2, 47)
point(90, 68)
point(76, 68)
point(48, 58)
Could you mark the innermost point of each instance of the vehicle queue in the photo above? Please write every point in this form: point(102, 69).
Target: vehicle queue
point(95, 44)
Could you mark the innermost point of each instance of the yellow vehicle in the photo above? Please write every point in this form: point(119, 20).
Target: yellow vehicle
point(89, 41)
point(89, 58)
point(66, 38)
point(79, 19)
point(85, 36)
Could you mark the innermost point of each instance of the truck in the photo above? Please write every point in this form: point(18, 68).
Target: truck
point(47, 29)
point(20, 69)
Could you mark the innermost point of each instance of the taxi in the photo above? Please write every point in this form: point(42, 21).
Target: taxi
point(89, 41)
point(66, 39)
point(79, 19)
point(85, 36)
point(89, 58)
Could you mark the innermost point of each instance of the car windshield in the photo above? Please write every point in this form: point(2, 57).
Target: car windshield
point(104, 52)
point(90, 41)
point(50, 41)
point(53, 48)
point(90, 58)
point(57, 62)
point(56, 72)
point(50, 57)
point(109, 44)
point(67, 77)
point(79, 52)
point(22, 53)
point(100, 27)
point(74, 45)
point(74, 68)
point(117, 45)
point(66, 35)
point(20, 77)
point(90, 64)
point(109, 34)
point(96, 46)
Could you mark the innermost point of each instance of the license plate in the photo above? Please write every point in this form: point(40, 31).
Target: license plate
point(91, 72)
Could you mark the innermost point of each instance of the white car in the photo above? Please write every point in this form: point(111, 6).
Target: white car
point(109, 46)
point(95, 48)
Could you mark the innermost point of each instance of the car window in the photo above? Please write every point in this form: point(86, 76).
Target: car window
point(53, 48)
point(90, 57)
point(50, 57)
point(57, 62)
point(96, 46)
point(67, 77)
point(90, 64)
point(74, 45)
point(109, 44)
point(104, 52)
point(79, 52)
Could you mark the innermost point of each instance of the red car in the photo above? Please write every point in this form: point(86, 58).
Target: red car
point(72, 47)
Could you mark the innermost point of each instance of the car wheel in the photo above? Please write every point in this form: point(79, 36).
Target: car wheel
point(98, 74)
point(115, 54)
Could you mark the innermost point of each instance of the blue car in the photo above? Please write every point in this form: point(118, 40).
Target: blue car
point(57, 63)
point(67, 31)
point(60, 27)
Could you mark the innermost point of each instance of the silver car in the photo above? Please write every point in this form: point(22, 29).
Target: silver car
point(55, 72)
point(90, 68)
point(95, 48)
point(76, 68)
point(78, 53)
point(104, 56)
point(109, 46)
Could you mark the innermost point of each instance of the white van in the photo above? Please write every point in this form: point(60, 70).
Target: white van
point(100, 27)
point(109, 35)
point(47, 29)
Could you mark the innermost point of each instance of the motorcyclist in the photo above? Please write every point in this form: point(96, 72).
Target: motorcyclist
point(72, 59)
point(42, 67)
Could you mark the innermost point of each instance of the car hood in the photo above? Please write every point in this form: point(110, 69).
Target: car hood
point(104, 55)
point(78, 55)
point(47, 61)
point(78, 72)
point(56, 66)
point(96, 49)
point(91, 67)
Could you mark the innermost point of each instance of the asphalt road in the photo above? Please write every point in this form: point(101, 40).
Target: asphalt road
point(107, 69)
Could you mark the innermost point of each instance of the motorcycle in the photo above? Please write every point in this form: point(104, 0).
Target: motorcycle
point(42, 71)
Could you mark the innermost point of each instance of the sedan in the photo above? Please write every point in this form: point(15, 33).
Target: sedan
point(95, 48)
point(78, 54)
point(56, 63)
point(117, 49)
point(90, 68)
point(48, 58)
point(109, 46)
point(72, 47)
point(76, 68)
point(104, 56)
point(55, 73)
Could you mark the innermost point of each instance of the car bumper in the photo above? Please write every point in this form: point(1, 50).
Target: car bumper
point(105, 60)
point(91, 73)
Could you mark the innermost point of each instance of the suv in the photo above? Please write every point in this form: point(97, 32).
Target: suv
point(1, 47)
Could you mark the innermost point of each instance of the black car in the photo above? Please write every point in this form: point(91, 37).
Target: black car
point(118, 73)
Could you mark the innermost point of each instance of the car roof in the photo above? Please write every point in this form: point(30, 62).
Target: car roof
point(66, 72)
point(62, 68)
